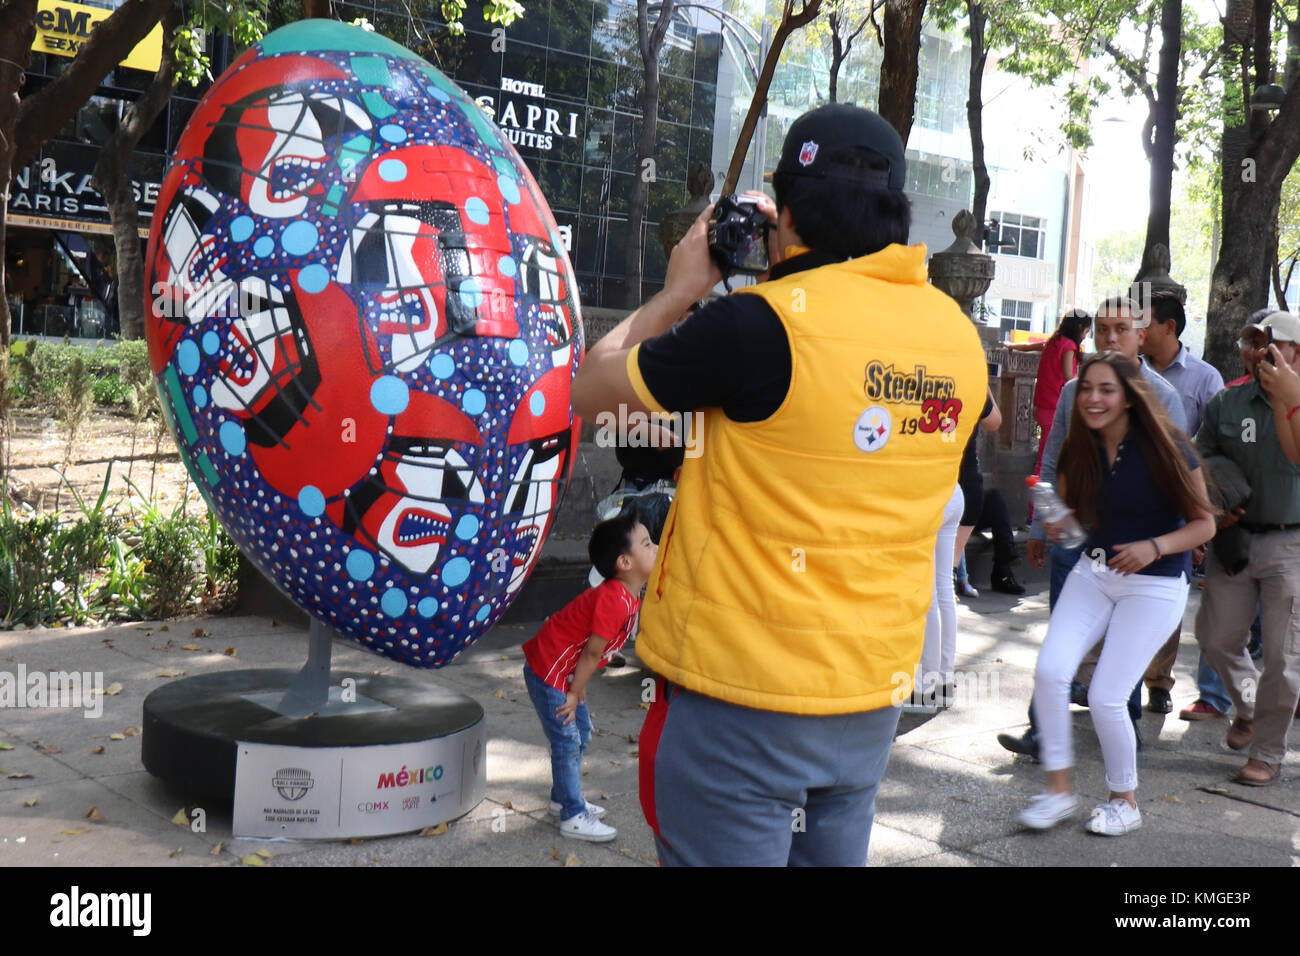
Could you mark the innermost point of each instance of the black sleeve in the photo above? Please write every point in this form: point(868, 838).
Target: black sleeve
point(988, 408)
point(733, 353)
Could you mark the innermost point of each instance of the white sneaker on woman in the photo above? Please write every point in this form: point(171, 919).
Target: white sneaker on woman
point(1114, 819)
point(556, 808)
point(586, 827)
point(1046, 810)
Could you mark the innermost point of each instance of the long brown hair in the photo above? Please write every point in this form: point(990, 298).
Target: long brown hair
point(1157, 437)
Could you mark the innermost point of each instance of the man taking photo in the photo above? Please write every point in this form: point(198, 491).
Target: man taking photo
point(785, 615)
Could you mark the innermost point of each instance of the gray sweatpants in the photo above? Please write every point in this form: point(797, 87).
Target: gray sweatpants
point(733, 786)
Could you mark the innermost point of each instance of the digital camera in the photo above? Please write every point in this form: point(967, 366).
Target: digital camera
point(738, 237)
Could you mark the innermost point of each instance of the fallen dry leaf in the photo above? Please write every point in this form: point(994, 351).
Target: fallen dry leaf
point(216, 850)
point(49, 749)
point(230, 652)
point(252, 860)
point(164, 628)
point(76, 832)
point(20, 776)
point(176, 852)
point(644, 705)
point(181, 819)
point(625, 851)
point(199, 632)
point(117, 736)
point(439, 830)
point(1171, 799)
point(499, 694)
point(132, 731)
point(30, 803)
point(572, 860)
point(508, 805)
point(631, 738)
point(189, 647)
point(170, 672)
point(5, 746)
point(355, 842)
point(555, 853)
point(113, 689)
point(97, 750)
point(93, 814)
point(264, 854)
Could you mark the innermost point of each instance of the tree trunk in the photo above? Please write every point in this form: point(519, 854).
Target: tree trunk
point(1257, 155)
point(650, 41)
point(315, 9)
point(1166, 118)
point(898, 69)
point(975, 116)
point(837, 54)
point(790, 21)
point(17, 30)
point(112, 178)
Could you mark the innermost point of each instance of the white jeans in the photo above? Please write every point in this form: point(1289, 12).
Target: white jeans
point(939, 655)
point(1135, 613)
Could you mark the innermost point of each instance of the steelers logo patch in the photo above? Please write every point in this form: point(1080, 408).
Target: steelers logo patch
point(872, 429)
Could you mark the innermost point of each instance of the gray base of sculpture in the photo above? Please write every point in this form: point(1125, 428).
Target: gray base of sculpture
point(319, 755)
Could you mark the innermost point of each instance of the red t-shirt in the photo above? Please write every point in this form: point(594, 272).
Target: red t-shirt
point(608, 611)
point(1047, 392)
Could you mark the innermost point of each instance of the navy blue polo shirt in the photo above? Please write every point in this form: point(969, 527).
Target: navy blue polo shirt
point(1131, 508)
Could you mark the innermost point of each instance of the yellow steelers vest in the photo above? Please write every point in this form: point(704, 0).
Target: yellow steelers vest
point(796, 565)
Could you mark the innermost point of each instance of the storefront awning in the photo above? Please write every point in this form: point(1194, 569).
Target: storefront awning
point(70, 225)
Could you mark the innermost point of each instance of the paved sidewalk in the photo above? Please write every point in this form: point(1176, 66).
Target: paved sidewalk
point(949, 797)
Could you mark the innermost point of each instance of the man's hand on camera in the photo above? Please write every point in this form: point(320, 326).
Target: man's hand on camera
point(692, 273)
point(767, 207)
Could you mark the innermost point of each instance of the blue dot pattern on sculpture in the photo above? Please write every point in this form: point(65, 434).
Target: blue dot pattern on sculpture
point(370, 373)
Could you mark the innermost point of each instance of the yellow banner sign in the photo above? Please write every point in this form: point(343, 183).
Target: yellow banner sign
point(62, 28)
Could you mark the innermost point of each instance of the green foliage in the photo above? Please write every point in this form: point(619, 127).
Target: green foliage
point(244, 21)
point(94, 565)
point(73, 402)
point(41, 371)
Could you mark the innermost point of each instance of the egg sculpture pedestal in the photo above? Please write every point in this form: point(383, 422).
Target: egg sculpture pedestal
point(363, 330)
point(318, 754)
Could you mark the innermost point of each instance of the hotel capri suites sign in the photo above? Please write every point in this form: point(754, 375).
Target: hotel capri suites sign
point(528, 121)
point(62, 28)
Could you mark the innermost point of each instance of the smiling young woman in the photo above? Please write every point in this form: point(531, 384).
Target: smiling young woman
point(1135, 483)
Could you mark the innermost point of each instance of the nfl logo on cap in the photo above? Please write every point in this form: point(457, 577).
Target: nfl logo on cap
point(808, 153)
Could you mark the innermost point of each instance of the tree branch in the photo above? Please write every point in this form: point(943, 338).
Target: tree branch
point(41, 115)
point(1130, 69)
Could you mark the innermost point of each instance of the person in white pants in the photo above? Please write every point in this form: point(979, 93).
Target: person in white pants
point(933, 687)
point(1129, 586)
point(935, 684)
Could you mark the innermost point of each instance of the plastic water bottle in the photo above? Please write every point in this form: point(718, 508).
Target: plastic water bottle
point(1048, 507)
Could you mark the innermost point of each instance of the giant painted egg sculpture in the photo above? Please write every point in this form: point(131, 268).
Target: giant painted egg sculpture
point(363, 326)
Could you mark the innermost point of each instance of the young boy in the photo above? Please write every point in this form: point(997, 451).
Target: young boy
point(572, 645)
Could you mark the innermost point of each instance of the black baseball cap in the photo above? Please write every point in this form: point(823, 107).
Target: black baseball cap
point(818, 134)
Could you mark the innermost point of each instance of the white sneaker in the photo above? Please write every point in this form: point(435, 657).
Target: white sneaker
point(1046, 810)
point(586, 827)
point(1114, 819)
point(556, 807)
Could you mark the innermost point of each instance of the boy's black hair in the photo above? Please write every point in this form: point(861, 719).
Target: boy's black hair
point(609, 540)
point(1165, 306)
point(846, 213)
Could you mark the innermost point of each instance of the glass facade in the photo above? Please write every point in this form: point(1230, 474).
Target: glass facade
point(564, 83)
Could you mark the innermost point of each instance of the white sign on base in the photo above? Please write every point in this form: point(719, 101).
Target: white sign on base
point(340, 792)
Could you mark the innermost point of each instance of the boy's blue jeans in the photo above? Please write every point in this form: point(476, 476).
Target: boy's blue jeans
point(568, 743)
